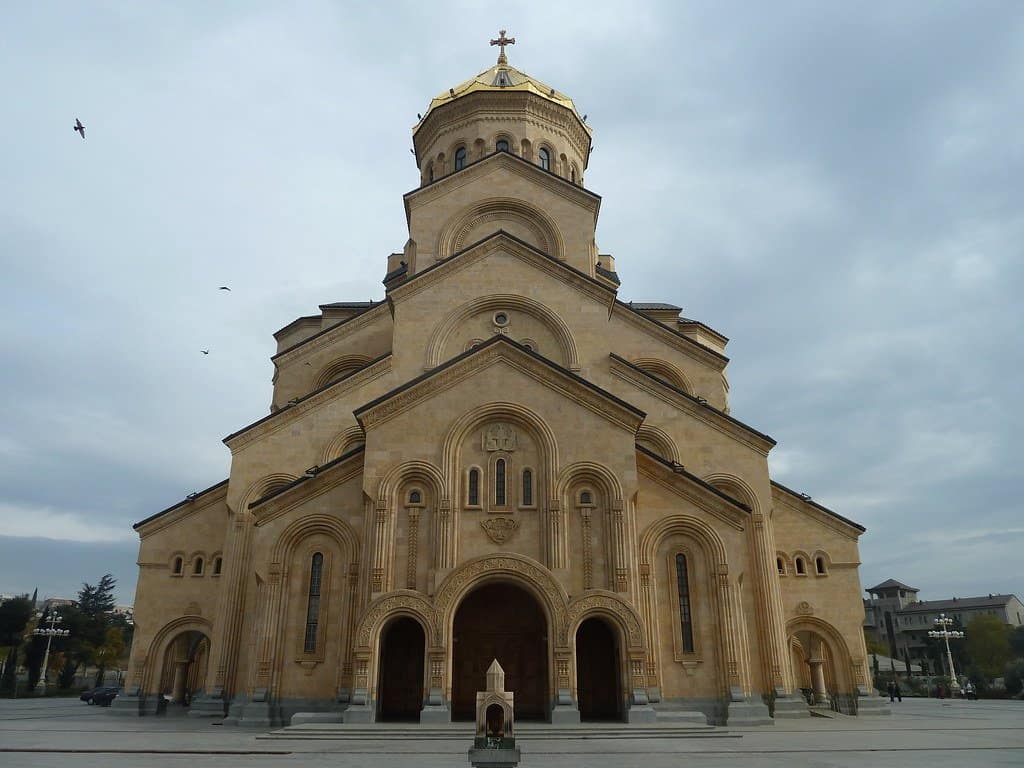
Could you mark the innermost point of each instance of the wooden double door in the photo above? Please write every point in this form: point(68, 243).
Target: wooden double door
point(504, 622)
point(403, 648)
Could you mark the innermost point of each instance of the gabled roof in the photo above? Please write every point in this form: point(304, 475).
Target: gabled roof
point(372, 306)
point(516, 350)
point(309, 475)
point(889, 584)
point(957, 603)
point(192, 498)
point(803, 497)
point(678, 469)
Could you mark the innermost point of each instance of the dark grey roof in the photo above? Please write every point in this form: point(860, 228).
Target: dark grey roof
point(350, 305)
point(890, 583)
point(607, 273)
point(188, 500)
point(653, 305)
point(397, 272)
point(927, 606)
point(810, 502)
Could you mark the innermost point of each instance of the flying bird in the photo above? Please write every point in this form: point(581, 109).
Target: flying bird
point(79, 128)
point(223, 288)
point(205, 351)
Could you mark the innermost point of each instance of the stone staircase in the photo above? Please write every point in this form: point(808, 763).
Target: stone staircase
point(465, 732)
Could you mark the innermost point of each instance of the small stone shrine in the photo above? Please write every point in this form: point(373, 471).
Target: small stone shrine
point(495, 742)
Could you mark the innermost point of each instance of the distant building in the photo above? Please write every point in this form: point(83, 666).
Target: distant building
point(896, 618)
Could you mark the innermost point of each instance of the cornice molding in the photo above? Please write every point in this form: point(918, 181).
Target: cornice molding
point(838, 523)
point(330, 335)
point(446, 185)
point(675, 339)
point(286, 416)
point(691, 490)
point(310, 488)
point(183, 510)
point(501, 350)
point(704, 413)
point(502, 241)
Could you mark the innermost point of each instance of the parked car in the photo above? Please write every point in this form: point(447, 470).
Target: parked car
point(87, 696)
point(105, 696)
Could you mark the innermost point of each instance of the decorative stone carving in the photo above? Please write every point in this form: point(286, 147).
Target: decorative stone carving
point(388, 605)
point(607, 604)
point(500, 437)
point(803, 608)
point(499, 529)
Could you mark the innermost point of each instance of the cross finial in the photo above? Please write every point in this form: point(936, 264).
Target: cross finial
point(503, 41)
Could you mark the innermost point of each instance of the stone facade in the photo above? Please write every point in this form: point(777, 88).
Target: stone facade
point(501, 422)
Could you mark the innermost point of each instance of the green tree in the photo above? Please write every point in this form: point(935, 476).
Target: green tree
point(1017, 642)
point(95, 601)
point(875, 646)
point(15, 614)
point(10, 665)
point(1014, 675)
point(109, 652)
point(988, 644)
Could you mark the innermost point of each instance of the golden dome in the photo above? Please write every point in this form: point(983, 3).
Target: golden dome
point(502, 77)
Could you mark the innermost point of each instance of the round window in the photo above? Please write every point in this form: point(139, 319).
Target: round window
point(501, 319)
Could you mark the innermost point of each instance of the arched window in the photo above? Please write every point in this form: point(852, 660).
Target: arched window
point(415, 497)
point(801, 570)
point(473, 496)
point(586, 497)
point(573, 175)
point(544, 158)
point(460, 158)
point(781, 566)
point(179, 564)
point(527, 487)
point(501, 146)
point(218, 565)
point(316, 572)
point(499, 482)
point(430, 172)
point(197, 567)
point(819, 565)
point(683, 587)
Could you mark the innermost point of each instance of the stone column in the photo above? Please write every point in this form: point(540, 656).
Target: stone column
point(557, 550)
point(618, 533)
point(817, 665)
point(378, 579)
point(733, 665)
point(564, 709)
point(258, 713)
point(775, 659)
point(444, 548)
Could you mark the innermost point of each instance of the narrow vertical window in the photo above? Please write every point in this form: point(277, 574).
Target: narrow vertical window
point(499, 482)
point(460, 158)
point(545, 158)
point(501, 146)
point(197, 569)
point(819, 564)
point(178, 563)
point(685, 619)
point(780, 566)
point(474, 488)
point(573, 175)
point(527, 487)
point(430, 172)
point(218, 565)
point(800, 566)
point(316, 571)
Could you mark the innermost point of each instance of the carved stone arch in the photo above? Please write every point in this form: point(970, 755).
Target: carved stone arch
point(592, 472)
point(400, 603)
point(841, 658)
point(162, 639)
point(658, 440)
point(665, 371)
point(608, 605)
point(519, 415)
point(685, 525)
point(555, 324)
point(310, 525)
point(342, 443)
point(826, 561)
point(736, 487)
point(513, 143)
point(787, 564)
point(519, 570)
point(338, 368)
point(419, 471)
point(266, 484)
point(453, 237)
point(801, 554)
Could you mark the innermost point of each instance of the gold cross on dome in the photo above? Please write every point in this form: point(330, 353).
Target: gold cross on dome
point(503, 41)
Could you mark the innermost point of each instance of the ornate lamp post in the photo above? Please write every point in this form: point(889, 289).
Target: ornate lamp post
point(49, 633)
point(945, 633)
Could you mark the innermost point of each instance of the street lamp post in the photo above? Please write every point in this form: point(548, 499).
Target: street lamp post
point(945, 633)
point(49, 633)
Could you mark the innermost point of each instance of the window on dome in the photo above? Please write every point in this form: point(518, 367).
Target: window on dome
point(501, 146)
point(460, 158)
point(544, 157)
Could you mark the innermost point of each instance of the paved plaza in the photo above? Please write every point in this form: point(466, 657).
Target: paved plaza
point(40, 734)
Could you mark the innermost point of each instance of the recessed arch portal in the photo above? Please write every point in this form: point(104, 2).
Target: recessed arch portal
point(402, 654)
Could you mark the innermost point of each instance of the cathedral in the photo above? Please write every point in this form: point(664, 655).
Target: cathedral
point(499, 460)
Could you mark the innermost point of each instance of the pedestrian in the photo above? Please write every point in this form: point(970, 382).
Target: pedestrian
point(892, 691)
point(896, 690)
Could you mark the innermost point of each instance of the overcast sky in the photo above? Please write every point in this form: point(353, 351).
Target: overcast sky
point(836, 187)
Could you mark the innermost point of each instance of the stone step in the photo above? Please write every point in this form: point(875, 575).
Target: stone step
point(333, 731)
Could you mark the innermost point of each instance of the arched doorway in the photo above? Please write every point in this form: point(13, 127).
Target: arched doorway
point(402, 648)
point(597, 671)
point(504, 622)
point(813, 667)
point(183, 673)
